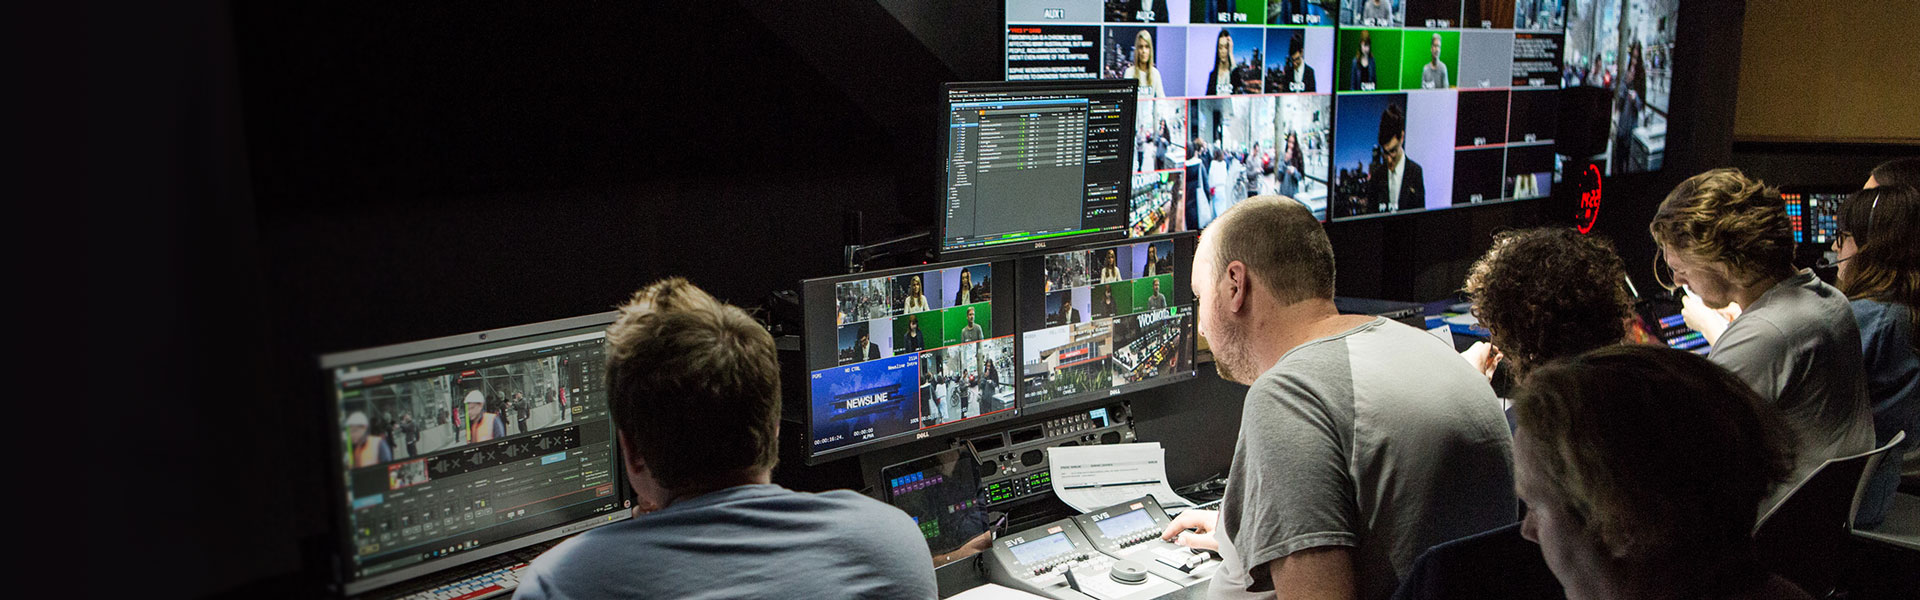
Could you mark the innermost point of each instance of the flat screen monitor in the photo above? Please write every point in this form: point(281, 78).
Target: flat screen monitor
point(1235, 98)
point(1034, 164)
point(1105, 320)
point(942, 494)
point(459, 448)
point(893, 356)
point(1815, 214)
point(1445, 103)
point(1627, 48)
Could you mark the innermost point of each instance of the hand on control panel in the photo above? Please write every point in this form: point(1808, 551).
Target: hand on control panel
point(1201, 522)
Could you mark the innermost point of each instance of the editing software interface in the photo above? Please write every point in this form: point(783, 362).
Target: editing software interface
point(449, 453)
point(1029, 164)
point(1625, 47)
point(942, 494)
point(1235, 98)
point(1445, 103)
point(1815, 215)
point(1105, 321)
point(893, 354)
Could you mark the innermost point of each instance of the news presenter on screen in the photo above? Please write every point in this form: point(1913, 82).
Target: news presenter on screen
point(1158, 300)
point(1376, 13)
point(1360, 73)
point(1144, 69)
point(482, 425)
point(367, 449)
point(916, 296)
point(966, 294)
point(971, 332)
point(1398, 183)
point(1434, 76)
point(1299, 76)
point(1220, 82)
point(1109, 266)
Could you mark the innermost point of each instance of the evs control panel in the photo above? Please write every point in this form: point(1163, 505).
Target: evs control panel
point(1131, 531)
point(1013, 463)
point(1056, 560)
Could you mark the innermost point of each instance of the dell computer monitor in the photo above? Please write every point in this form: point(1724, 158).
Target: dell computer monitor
point(894, 356)
point(1105, 320)
point(1035, 164)
point(1235, 99)
point(456, 449)
point(1444, 104)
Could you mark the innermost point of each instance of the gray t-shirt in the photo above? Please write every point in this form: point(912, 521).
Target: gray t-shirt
point(751, 541)
point(1380, 439)
point(1798, 346)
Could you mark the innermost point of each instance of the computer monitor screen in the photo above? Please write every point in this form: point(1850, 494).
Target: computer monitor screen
point(1235, 99)
point(459, 448)
point(894, 354)
point(1032, 164)
point(1625, 46)
point(1106, 320)
point(1815, 215)
point(942, 494)
point(1445, 103)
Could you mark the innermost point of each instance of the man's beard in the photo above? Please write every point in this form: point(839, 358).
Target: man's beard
point(1229, 352)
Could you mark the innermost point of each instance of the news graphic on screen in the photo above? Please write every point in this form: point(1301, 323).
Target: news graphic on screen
point(455, 449)
point(1234, 96)
point(1444, 103)
point(1033, 164)
point(1106, 320)
point(1625, 47)
point(893, 354)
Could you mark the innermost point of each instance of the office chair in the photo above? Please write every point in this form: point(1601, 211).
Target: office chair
point(1804, 538)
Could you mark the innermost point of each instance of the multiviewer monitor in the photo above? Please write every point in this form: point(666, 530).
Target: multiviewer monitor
point(1106, 320)
point(1035, 164)
point(1235, 98)
point(1444, 104)
point(459, 448)
point(894, 355)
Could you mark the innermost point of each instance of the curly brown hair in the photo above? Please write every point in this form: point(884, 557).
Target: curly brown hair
point(1546, 293)
point(1723, 216)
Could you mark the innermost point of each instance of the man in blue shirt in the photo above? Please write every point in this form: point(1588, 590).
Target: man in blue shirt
point(695, 393)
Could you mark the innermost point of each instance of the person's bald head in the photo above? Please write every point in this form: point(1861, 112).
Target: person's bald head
point(1283, 246)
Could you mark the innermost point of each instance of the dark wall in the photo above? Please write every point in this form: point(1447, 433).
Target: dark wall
point(311, 178)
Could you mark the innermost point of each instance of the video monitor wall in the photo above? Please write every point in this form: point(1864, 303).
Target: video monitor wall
point(1100, 321)
point(1626, 47)
point(1444, 103)
point(891, 354)
point(1235, 96)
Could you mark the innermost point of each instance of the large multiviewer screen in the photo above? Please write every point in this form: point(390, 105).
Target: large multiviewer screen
point(893, 354)
point(1106, 320)
point(1626, 47)
point(459, 448)
point(1235, 98)
point(1035, 164)
point(1445, 103)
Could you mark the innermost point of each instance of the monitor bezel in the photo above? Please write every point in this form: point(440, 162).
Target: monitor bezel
point(1083, 399)
point(807, 289)
point(342, 540)
point(941, 252)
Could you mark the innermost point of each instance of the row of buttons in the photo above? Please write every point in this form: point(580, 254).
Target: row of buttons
point(1047, 565)
point(479, 586)
point(1136, 538)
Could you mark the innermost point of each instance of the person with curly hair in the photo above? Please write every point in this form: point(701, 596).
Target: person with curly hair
point(1545, 293)
point(1727, 239)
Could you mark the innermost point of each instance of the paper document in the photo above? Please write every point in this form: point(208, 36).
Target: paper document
point(994, 592)
point(1093, 477)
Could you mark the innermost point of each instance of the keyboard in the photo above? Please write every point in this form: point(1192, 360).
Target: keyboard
point(495, 577)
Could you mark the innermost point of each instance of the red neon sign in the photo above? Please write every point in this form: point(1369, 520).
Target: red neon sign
point(1590, 202)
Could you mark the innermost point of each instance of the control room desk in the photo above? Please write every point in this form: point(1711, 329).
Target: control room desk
point(966, 574)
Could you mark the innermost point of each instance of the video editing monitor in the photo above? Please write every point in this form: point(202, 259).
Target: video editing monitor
point(1626, 47)
point(894, 355)
point(456, 449)
point(1445, 103)
point(1105, 320)
point(1235, 98)
point(1815, 214)
point(1034, 164)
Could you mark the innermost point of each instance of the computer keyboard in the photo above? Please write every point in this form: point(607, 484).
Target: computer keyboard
point(496, 577)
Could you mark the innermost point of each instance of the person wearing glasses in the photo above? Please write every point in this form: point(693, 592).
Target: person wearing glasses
point(1728, 240)
point(1880, 272)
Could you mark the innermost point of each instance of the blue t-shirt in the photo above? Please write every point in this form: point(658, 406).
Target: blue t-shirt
point(1893, 385)
point(751, 541)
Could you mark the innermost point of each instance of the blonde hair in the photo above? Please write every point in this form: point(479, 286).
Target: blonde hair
point(1722, 216)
